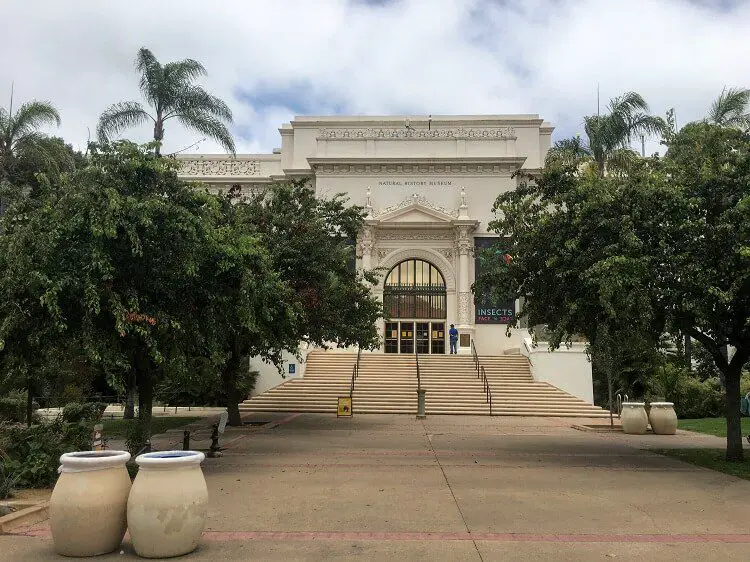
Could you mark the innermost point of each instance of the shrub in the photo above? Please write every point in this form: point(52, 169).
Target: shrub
point(30, 455)
point(12, 410)
point(88, 412)
point(692, 397)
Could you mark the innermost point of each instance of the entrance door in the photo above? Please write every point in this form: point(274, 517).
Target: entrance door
point(438, 337)
point(414, 298)
point(391, 337)
point(423, 337)
point(407, 337)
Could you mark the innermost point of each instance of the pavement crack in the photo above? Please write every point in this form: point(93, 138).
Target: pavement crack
point(450, 488)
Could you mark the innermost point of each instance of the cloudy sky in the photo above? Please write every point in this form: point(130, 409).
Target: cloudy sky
point(273, 59)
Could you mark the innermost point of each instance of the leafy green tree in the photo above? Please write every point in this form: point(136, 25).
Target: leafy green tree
point(172, 94)
point(731, 109)
point(310, 241)
point(282, 277)
point(663, 249)
point(704, 252)
point(113, 258)
point(609, 136)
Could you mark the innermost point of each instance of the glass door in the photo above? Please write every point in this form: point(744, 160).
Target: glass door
point(391, 337)
point(438, 337)
point(407, 337)
point(423, 337)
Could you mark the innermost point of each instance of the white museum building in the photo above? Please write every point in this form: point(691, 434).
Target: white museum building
point(428, 185)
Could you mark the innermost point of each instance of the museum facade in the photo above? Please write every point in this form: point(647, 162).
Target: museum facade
point(428, 185)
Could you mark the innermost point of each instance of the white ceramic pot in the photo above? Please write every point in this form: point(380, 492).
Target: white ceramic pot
point(663, 418)
point(87, 510)
point(633, 418)
point(167, 505)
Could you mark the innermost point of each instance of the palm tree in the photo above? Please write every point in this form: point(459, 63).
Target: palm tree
point(731, 109)
point(20, 138)
point(170, 91)
point(609, 135)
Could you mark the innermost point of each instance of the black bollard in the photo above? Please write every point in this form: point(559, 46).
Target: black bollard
point(214, 451)
point(186, 440)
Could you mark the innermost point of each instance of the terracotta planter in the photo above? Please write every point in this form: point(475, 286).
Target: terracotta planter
point(167, 505)
point(87, 510)
point(663, 418)
point(633, 418)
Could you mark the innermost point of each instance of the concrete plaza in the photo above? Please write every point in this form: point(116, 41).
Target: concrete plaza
point(314, 487)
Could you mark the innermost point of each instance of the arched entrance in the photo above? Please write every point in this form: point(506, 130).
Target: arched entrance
point(414, 298)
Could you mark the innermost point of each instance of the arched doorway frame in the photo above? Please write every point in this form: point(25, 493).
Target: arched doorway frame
point(446, 269)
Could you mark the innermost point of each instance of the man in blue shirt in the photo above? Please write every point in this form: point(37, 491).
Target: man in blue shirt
point(453, 335)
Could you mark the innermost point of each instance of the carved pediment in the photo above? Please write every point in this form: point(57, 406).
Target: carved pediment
point(416, 209)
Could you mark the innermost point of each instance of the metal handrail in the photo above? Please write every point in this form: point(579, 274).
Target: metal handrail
point(482, 375)
point(355, 373)
point(619, 400)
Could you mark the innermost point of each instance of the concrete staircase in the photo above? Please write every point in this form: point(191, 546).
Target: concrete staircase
point(388, 384)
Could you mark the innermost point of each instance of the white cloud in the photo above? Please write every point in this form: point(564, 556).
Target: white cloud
point(269, 59)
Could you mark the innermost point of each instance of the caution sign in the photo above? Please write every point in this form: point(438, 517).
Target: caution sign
point(344, 407)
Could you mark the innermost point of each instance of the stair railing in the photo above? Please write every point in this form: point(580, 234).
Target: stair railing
point(355, 373)
point(482, 375)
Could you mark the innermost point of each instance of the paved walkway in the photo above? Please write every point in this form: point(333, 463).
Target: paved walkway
point(315, 487)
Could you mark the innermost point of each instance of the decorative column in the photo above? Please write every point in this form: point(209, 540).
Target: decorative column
point(365, 245)
point(463, 288)
point(464, 249)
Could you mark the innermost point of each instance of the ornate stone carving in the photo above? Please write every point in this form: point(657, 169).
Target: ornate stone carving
point(415, 235)
point(416, 199)
point(470, 169)
point(461, 133)
point(464, 307)
point(447, 252)
point(365, 242)
point(383, 252)
point(200, 167)
point(464, 243)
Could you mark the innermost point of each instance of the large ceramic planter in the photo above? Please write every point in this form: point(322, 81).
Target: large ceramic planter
point(167, 505)
point(88, 506)
point(663, 418)
point(633, 418)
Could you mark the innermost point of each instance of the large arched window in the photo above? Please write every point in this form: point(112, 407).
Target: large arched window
point(414, 289)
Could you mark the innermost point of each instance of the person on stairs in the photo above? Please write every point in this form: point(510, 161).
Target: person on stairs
point(453, 335)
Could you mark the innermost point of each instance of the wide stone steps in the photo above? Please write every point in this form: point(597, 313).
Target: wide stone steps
point(387, 384)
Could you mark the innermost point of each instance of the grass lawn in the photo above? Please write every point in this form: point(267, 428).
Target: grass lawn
point(710, 458)
point(712, 426)
point(116, 429)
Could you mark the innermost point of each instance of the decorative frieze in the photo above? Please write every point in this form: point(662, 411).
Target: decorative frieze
point(473, 169)
point(403, 133)
point(212, 167)
point(415, 234)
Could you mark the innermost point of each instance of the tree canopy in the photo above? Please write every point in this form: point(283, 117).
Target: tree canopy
point(661, 249)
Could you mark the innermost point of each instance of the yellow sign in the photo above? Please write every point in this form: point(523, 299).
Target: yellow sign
point(344, 407)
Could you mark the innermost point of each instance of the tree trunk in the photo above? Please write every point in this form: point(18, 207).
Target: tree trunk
point(130, 386)
point(689, 352)
point(29, 400)
point(145, 398)
point(734, 427)
point(229, 378)
point(158, 133)
point(600, 164)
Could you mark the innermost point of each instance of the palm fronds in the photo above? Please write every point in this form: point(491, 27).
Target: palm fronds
point(120, 116)
point(730, 109)
point(209, 126)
